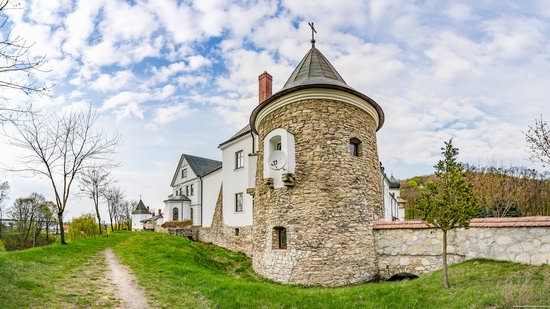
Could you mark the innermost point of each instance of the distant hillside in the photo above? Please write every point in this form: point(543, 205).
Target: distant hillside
point(502, 192)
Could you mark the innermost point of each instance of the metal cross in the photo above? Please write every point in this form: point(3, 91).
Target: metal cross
point(313, 31)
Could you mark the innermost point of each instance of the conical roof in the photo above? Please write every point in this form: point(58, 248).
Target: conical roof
point(314, 69)
point(140, 209)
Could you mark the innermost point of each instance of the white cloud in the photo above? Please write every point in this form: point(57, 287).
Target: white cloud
point(167, 114)
point(109, 82)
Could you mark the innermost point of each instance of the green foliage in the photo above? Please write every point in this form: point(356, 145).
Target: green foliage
point(83, 227)
point(177, 273)
point(2, 247)
point(448, 202)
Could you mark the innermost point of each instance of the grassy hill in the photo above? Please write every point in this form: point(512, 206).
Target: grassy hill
point(177, 273)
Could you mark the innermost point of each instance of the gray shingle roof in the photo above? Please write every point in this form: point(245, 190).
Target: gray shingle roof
point(239, 133)
point(140, 209)
point(314, 69)
point(201, 166)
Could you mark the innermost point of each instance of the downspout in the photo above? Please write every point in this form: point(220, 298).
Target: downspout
point(201, 199)
point(253, 142)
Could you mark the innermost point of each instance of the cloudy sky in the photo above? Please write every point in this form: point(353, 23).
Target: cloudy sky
point(178, 77)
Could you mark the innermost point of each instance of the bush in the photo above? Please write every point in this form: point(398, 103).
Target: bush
point(83, 227)
point(2, 248)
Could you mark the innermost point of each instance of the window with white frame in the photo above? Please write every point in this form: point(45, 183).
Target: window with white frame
point(239, 202)
point(191, 191)
point(186, 190)
point(239, 159)
point(184, 173)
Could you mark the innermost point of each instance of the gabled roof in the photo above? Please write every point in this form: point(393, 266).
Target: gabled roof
point(140, 209)
point(200, 166)
point(314, 69)
point(177, 198)
point(241, 132)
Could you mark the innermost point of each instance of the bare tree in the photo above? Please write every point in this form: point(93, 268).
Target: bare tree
point(61, 147)
point(538, 138)
point(4, 190)
point(18, 67)
point(94, 183)
point(125, 213)
point(114, 197)
point(25, 212)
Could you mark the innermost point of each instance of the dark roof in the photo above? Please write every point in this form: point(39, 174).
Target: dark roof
point(200, 166)
point(178, 198)
point(394, 183)
point(152, 218)
point(315, 71)
point(140, 209)
point(240, 133)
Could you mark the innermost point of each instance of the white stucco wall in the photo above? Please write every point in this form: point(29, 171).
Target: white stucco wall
point(211, 184)
point(237, 180)
point(136, 224)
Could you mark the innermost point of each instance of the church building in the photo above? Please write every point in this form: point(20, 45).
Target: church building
point(299, 188)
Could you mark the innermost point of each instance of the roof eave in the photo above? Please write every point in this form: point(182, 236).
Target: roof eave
point(308, 86)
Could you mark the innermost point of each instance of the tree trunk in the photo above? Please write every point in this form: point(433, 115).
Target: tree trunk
point(61, 230)
point(111, 219)
point(445, 266)
point(96, 202)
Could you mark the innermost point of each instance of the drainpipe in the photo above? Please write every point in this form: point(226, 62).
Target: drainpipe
point(253, 143)
point(201, 199)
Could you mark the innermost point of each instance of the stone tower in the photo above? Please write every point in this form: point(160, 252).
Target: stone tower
point(313, 219)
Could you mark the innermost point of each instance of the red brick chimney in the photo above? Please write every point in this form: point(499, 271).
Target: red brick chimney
point(160, 213)
point(148, 210)
point(266, 87)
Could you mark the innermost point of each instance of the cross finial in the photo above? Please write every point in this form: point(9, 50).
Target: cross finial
point(313, 31)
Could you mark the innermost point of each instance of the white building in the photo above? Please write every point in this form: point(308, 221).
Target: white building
point(138, 215)
point(394, 205)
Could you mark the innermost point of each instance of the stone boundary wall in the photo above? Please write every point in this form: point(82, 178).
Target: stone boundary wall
point(415, 247)
point(223, 235)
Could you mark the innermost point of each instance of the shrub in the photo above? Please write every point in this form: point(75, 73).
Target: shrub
point(2, 248)
point(82, 227)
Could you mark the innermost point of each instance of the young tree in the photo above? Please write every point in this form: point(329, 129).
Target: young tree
point(538, 138)
point(94, 183)
point(60, 147)
point(4, 190)
point(26, 214)
point(448, 202)
point(114, 197)
point(18, 67)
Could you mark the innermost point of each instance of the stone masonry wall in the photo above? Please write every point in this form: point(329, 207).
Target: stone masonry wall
point(223, 235)
point(329, 213)
point(413, 247)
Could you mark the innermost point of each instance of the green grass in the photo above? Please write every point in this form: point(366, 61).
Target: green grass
point(177, 273)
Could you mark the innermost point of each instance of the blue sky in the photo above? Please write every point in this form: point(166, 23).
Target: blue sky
point(178, 77)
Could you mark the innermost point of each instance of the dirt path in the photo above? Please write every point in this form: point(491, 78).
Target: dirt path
point(127, 289)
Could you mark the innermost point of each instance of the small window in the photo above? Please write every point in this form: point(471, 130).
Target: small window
point(175, 214)
point(354, 147)
point(279, 237)
point(238, 202)
point(239, 159)
point(184, 173)
point(191, 214)
point(191, 191)
point(279, 146)
point(237, 232)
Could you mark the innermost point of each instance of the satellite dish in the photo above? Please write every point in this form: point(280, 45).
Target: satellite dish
point(277, 160)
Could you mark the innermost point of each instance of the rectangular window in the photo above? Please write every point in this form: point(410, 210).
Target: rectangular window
point(186, 190)
point(278, 146)
point(354, 149)
point(191, 189)
point(184, 173)
point(238, 202)
point(239, 159)
point(279, 238)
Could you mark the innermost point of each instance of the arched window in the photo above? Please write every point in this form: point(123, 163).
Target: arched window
point(355, 147)
point(237, 232)
point(175, 214)
point(279, 140)
point(279, 237)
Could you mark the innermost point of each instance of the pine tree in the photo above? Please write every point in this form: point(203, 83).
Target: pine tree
point(448, 202)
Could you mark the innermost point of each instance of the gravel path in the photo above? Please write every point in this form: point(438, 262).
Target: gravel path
point(127, 289)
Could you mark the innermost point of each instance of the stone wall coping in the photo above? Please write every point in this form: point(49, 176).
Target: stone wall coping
point(536, 221)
